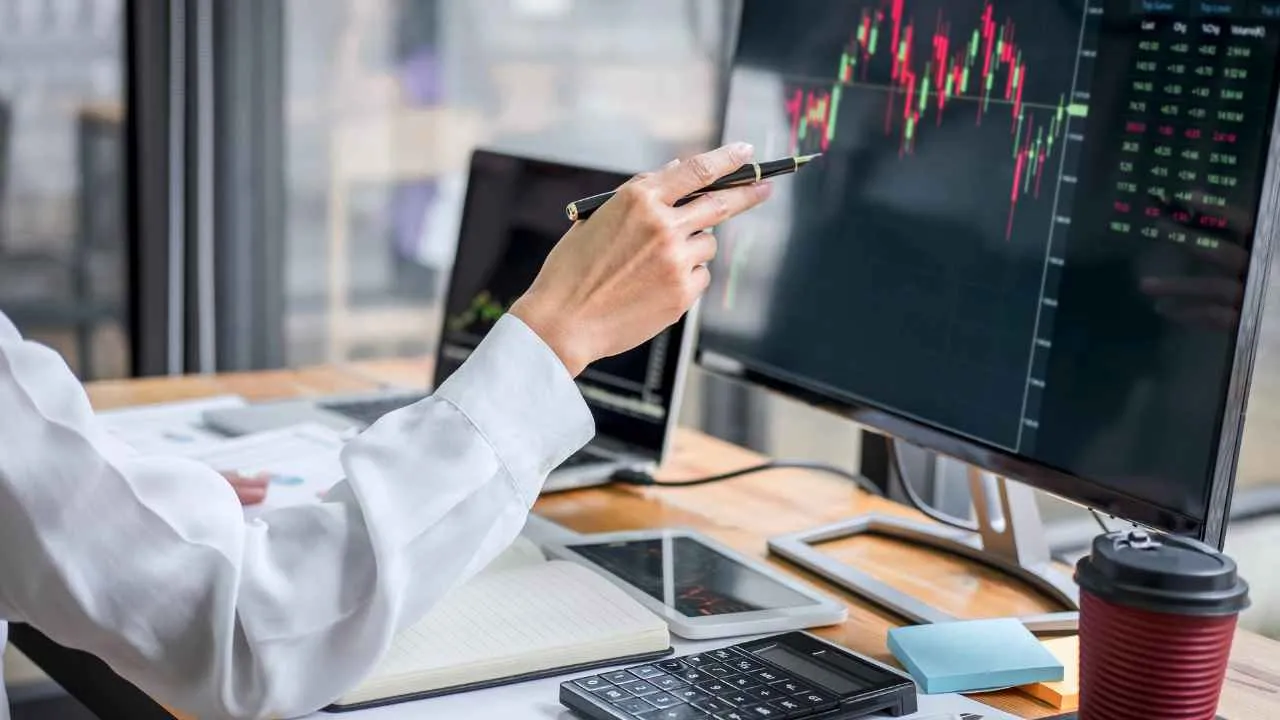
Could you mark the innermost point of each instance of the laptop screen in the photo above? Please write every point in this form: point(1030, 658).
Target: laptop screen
point(512, 218)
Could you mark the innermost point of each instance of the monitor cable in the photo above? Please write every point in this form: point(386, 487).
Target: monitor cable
point(1101, 523)
point(967, 525)
point(639, 478)
point(918, 502)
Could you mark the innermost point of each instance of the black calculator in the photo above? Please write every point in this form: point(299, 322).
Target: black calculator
point(794, 675)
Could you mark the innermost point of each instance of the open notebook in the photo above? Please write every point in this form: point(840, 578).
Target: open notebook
point(522, 617)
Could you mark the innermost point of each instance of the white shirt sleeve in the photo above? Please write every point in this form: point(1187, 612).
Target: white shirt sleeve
point(149, 563)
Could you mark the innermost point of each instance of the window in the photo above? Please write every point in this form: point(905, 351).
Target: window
point(386, 99)
point(62, 251)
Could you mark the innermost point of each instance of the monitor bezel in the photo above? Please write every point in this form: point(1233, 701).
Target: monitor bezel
point(1068, 486)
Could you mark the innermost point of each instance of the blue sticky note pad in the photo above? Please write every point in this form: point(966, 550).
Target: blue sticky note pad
point(973, 655)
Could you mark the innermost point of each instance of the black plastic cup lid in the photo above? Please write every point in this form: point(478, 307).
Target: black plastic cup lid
point(1163, 574)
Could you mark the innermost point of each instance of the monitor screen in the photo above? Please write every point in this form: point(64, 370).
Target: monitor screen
point(512, 217)
point(1028, 235)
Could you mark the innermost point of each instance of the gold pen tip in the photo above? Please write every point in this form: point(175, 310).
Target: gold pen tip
point(803, 159)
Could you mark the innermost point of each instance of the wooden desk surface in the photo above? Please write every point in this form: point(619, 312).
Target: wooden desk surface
point(744, 513)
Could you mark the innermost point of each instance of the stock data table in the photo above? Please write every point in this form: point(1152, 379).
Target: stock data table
point(1030, 226)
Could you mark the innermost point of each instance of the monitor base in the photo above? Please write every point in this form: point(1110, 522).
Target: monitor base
point(1010, 538)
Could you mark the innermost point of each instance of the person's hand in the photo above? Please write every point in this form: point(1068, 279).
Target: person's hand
point(251, 489)
point(638, 263)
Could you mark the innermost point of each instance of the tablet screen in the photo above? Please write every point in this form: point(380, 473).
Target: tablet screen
point(690, 577)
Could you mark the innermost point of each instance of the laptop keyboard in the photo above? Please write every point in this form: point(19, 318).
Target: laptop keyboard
point(368, 411)
point(582, 457)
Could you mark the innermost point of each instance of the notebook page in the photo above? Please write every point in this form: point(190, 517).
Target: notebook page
point(520, 553)
point(520, 620)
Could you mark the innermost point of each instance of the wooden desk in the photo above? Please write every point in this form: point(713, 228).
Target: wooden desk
point(743, 513)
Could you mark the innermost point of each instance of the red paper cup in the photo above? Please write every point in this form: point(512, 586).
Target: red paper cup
point(1157, 618)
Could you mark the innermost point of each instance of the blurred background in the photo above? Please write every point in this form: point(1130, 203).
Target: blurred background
point(292, 171)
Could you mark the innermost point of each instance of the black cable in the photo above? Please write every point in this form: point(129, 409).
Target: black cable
point(1101, 523)
point(643, 479)
point(919, 504)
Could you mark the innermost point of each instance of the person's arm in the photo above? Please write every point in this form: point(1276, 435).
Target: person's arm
point(150, 565)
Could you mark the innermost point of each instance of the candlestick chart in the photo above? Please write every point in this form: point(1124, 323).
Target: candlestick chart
point(926, 71)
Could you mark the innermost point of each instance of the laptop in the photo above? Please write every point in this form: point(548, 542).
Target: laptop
point(512, 217)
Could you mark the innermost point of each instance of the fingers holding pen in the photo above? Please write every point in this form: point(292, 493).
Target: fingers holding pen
point(684, 182)
point(640, 262)
point(680, 178)
point(713, 208)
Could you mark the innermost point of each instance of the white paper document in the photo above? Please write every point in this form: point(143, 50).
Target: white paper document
point(303, 462)
point(950, 707)
point(174, 428)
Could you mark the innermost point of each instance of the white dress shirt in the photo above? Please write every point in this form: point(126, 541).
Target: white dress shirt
point(149, 563)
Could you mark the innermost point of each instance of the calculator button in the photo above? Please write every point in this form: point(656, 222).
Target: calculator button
point(742, 682)
point(715, 687)
point(816, 700)
point(680, 712)
point(764, 710)
point(611, 693)
point(765, 675)
point(633, 706)
point(671, 666)
point(794, 707)
point(744, 665)
point(731, 715)
point(644, 672)
point(662, 700)
point(690, 695)
point(591, 683)
point(717, 671)
point(791, 687)
point(738, 698)
point(697, 660)
point(692, 676)
point(618, 677)
point(713, 706)
point(638, 688)
point(764, 693)
point(723, 655)
point(667, 682)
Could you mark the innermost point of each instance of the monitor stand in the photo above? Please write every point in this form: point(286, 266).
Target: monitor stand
point(1010, 538)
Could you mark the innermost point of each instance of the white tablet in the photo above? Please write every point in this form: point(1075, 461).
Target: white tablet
point(702, 588)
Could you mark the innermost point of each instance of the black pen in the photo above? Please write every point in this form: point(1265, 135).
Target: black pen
point(745, 175)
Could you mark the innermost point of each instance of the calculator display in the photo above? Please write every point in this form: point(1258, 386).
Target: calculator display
point(690, 577)
point(789, 659)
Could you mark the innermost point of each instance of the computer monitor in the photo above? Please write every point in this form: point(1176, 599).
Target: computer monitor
point(513, 217)
point(1036, 240)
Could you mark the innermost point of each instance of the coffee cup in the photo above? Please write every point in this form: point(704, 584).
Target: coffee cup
point(1157, 618)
